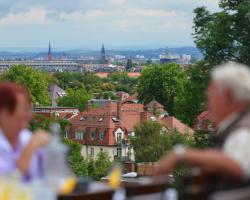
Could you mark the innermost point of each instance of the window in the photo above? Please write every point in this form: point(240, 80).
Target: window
point(79, 135)
point(100, 119)
point(115, 120)
point(92, 152)
point(66, 134)
point(92, 135)
point(101, 136)
point(83, 119)
point(119, 152)
point(119, 137)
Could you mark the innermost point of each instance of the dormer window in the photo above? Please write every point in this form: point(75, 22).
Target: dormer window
point(115, 119)
point(119, 135)
point(153, 118)
point(82, 118)
point(100, 119)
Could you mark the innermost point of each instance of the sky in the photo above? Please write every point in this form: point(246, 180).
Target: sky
point(89, 23)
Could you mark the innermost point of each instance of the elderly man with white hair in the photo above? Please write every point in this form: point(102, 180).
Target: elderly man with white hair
point(229, 105)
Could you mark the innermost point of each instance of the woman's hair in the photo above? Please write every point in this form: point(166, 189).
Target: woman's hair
point(8, 95)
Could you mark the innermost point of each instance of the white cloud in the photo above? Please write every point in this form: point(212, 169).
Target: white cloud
point(34, 15)
point(100, 20)
point(117, 2)
point(151, 13)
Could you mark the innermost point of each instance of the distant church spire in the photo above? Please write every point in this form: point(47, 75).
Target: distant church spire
point(103, 54)
point(49, 53)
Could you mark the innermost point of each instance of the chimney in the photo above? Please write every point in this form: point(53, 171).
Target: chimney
point(118, 110)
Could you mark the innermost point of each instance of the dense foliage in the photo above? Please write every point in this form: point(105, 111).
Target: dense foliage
point(81, 166)
point(77, 162)
point(75, 98)
point(182, 92)
point(162, 82)
point(36, 81)
point(224, 35)
point(157, 141)
point(191, 101)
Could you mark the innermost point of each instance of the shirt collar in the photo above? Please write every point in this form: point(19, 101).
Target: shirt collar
point(227, 121)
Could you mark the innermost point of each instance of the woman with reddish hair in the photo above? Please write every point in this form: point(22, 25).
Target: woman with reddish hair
point(19, 148)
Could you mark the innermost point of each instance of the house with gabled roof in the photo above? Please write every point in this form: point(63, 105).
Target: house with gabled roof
point(106, 125)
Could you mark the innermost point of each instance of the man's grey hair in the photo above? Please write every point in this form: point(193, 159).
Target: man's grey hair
point(235, 77)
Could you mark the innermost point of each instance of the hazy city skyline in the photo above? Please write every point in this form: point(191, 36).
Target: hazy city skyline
point(89, 23)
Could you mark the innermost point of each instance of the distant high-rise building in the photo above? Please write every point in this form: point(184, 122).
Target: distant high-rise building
point(49, 53)
point(103, 54)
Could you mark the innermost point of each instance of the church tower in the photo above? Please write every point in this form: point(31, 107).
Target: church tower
point(103, 54)
point(49, 53)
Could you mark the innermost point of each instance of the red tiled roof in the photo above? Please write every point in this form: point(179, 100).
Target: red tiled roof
point(173, 123)
point(154, 104)
point(100, 118)
point(134, 74)
point(132, 98)
point(122, 95)
point(205, 115)
point(102, 74)
point(131, 115)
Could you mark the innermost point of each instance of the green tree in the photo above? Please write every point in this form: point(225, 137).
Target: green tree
point(102, 165)
point(157, 140)
point(148, 135)
point(122, 81)
point(108, 87)
point(110, 95)
point(203, 139)
point(124, 88)
point(75, 98)
point(40, 122)
point(224, 35)
point(164, 82)
point(36, 81)
point(68, 79)
point(89, 81)
point(76, 161)
point(191, 101)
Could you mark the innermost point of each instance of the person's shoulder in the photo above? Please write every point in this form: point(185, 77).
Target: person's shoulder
point(240, 136)
point(241, 132)
point(25, 136)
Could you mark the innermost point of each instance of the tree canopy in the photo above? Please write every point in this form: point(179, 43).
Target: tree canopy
point(191, 101)
point(75, 98)
point(158, 141)
point(36, 81)
point(162, 82)
point(224, 35)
